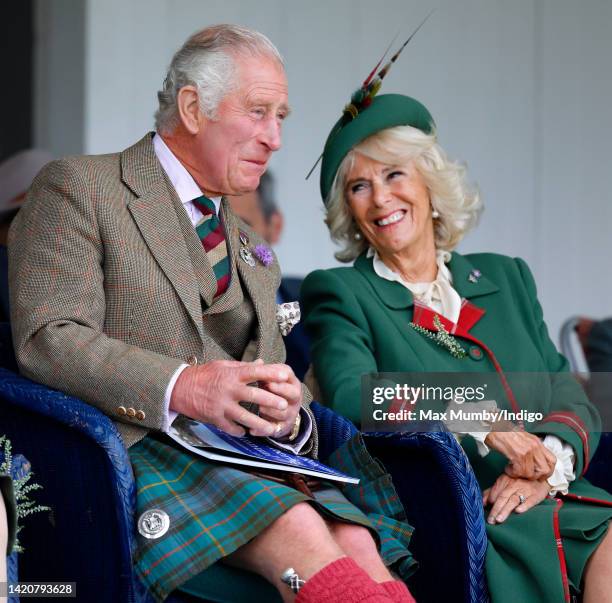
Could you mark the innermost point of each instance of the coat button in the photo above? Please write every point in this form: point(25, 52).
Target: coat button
point(192, 360)
point(475, 353)
point(140, 415)
point(131, 412)
point(121, 410)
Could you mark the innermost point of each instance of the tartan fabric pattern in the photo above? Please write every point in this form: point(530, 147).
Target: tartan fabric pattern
point(375, 495)
point(109, 285)
point(214, 509)
point(210, 231)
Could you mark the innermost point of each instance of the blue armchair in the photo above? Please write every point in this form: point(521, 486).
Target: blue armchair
point(89, 535)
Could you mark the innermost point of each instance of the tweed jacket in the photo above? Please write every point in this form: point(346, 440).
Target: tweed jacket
point(111, 290)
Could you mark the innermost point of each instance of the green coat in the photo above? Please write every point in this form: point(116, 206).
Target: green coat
point(360, 323)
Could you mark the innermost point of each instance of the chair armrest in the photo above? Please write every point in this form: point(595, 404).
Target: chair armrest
point(87, 480)
point(333, 429)
point(447, 512)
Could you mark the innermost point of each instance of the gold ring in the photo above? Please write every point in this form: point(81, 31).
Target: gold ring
point(279, 428)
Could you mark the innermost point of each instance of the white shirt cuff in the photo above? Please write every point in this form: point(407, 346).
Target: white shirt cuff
point(169, 415)
point(564, 472)
point(480, 437)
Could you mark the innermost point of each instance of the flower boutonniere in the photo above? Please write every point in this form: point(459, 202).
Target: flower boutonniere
point(264, 254)
point(442, 338)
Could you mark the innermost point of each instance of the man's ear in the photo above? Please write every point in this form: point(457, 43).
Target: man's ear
point(189, 109)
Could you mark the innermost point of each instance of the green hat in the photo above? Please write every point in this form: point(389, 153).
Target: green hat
point(385, 111)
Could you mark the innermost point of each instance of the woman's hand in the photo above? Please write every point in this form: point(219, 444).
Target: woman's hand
point(506, 494)
point(528, 457)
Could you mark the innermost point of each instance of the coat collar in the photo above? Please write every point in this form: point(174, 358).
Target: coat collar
point(396, 296)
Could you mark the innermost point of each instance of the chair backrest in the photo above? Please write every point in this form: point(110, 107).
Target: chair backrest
point(571, 346)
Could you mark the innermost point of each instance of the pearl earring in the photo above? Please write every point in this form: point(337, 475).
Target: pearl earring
point(357, 236)
point(435, 214)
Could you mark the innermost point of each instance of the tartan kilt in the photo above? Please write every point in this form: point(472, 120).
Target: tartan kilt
point(215, 508)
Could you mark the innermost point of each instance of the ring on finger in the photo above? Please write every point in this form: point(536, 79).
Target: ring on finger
point(522, 498)
point(279, 428)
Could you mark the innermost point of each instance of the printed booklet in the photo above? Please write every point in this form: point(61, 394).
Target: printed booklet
point(214, 444)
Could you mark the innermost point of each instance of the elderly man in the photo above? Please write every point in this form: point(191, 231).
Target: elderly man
point(133, 287)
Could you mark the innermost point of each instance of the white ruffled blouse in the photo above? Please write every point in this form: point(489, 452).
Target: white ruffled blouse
point(441, 296)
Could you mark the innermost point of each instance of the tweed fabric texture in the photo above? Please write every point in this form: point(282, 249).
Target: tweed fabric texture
point(109, 284)
point(214, 509)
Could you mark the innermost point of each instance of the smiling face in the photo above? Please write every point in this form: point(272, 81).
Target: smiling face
point(233, 150)
point(390, 205)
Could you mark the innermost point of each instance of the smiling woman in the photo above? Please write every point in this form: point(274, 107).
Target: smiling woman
point(413, 162)
point(410, 304)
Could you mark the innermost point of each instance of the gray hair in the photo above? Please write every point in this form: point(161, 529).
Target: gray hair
point(207, 61)
point(458, 204)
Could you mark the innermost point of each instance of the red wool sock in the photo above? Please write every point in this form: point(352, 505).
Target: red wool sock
point(342, 581)
point(398, 591)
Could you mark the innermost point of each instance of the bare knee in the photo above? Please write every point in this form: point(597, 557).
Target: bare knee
point(301, 519)
point(299, 537)
point(353, 538)
point(357, 542)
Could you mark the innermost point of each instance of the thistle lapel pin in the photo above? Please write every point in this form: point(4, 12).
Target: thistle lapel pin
point(263, 254)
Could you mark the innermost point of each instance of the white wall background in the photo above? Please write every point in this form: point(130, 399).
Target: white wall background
point(520, 91)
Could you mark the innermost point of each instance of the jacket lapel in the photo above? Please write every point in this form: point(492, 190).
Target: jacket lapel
point(154, 213)
point(257, 282)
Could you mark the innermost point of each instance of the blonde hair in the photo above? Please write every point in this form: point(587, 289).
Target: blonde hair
point(458, 204)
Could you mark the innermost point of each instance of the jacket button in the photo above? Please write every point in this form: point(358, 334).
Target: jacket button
point(192, 360)
point(140, 415)
point(131, 412)
point(475, 353)
point(121, 410)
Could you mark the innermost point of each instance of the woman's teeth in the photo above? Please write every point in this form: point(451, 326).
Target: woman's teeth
point(394, 217)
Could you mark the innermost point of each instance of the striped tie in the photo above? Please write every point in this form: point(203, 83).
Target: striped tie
point(210, 231)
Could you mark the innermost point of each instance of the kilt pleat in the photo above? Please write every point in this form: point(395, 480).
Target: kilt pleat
point(214, 509)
